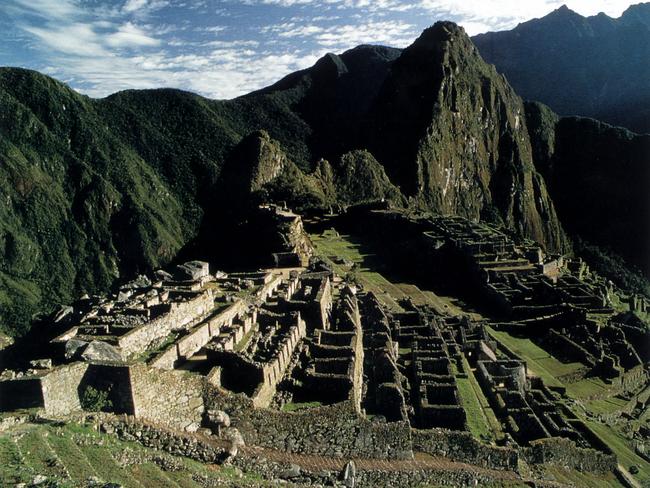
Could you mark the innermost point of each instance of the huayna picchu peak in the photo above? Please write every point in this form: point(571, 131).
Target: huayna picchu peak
point(397, 267)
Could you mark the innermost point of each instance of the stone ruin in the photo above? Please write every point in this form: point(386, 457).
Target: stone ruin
point(186, 347)
point(553, 300)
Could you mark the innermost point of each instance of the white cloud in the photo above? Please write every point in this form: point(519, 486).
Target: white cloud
point(101, 48)
point(394, 33)
point(134, 5)
point(73, 39)
point(53, 9)
point(129, 35)
point(143, 7)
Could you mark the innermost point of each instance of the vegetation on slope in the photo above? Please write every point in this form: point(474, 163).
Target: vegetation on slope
point(96, 190)
point(597, 176)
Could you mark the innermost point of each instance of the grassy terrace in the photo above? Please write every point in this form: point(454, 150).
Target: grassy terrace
point(540, 363)
point(549, 369)
point(624, 452)
point(576, 478)
point(69, 455)
point(335, 249)
point(481, 420)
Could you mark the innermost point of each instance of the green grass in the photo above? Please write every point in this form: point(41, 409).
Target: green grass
point(335, 247)
point(576, 478)
point(624, 452)
point(106, 466)
point(586, 388)
point(12, 468)
point(539, 362)
point(149, 474)
point(604, 406)
point(476, 421)
point(71, 456)
point(25, 451)
point(481, 420)
point(39, 455)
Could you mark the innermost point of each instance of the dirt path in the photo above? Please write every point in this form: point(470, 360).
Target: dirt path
point(421, 462)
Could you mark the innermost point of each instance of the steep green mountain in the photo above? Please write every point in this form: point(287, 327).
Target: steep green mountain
point(589, 66)
point(95, 190)
point(598, 178)
point(452, 133)
point(98, 189)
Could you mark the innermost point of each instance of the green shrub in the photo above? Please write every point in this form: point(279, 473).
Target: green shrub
point(96, 400)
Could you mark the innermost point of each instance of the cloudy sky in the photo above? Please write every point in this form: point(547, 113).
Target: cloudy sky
point(224, 48)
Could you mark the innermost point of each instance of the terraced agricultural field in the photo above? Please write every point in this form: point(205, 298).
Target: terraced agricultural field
point(71, 456)
point(480, 417)
point(347, 257)
point(539, 362)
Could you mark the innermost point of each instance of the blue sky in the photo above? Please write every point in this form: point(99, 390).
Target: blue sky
point(225, 48)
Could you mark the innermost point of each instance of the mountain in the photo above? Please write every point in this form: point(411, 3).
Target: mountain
point(589, 66)
point(96, 190)
point(452, 133)
point(598, 178)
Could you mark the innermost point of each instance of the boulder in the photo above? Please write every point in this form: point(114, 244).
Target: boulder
point(62, 313)
point(41, 364)
point(124, 295)
point(192, 271)
point(236, 441)
point(349, 474)
point(163, 275)
point(219, 418)
point(142, 281)
point(74, 348)
point(39, 479)
point(101, 351)
point(292, 471)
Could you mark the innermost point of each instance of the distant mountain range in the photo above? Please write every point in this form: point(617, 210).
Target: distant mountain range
point(93, 190)
point(591, 66)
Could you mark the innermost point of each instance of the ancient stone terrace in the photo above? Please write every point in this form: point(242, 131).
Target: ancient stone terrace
point(252, 352)
point(555, 301)
point(383, 391)
point(139, 316)
point(528, 409)
point(434, 358)
point(335, 355)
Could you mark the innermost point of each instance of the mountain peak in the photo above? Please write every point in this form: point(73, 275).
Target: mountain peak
point(563, 12)
point(440, 32)
point(637, 13)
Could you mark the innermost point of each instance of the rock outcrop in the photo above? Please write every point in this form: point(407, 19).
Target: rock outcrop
point(452, 133)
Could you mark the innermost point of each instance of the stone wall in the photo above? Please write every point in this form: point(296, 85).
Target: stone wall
point(179, 316)
point(334, 430)
point(462, 446)
point(563, 452)
point(113, 379)
point(324, 303)
point(61, 389)
point(273, 371)
point(172, 398)
point(156, 437)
